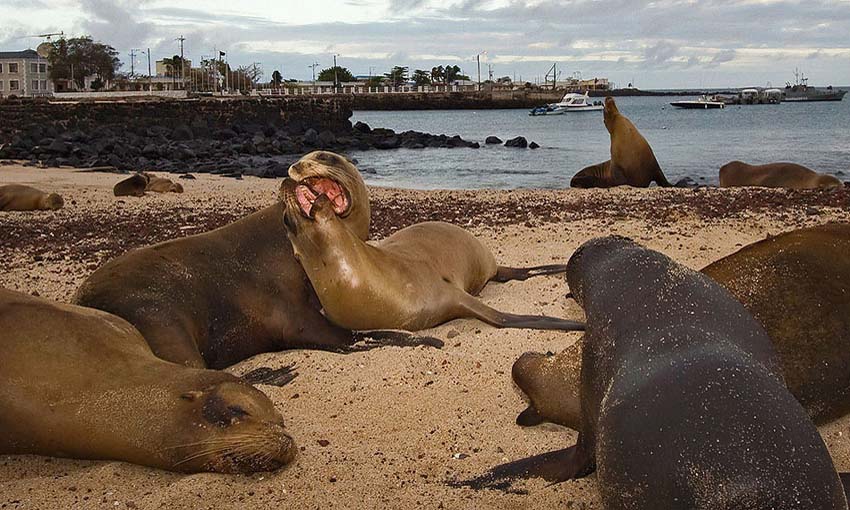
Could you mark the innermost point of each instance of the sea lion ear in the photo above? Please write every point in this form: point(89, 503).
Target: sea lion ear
point(191, 396)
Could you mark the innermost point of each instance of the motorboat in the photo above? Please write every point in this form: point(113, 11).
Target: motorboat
point(571, 102)
point(801, 91)
point(703, 103)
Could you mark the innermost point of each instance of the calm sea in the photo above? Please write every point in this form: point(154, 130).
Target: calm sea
point(693, 143)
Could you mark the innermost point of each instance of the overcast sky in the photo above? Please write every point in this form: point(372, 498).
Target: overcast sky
point(660, 44)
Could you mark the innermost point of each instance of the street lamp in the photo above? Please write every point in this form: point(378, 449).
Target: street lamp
point(478, 59)
point(336, 78)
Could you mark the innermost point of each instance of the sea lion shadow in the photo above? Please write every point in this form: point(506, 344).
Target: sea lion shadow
point(374, 339)
point(549, 466)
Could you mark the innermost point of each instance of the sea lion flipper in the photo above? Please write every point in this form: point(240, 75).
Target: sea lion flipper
point(505, 274)
point(554, 467)
point(471, 307)
point(271, 377)
point(529, 417)
point(389, 338)
point(845, 480)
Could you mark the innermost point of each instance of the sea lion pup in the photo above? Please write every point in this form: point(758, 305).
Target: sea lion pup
point(17, 197)
point(632, 160)
point(417, 278)
point(683, 402)
point(217, 298)
point(133, 186)
point(775, 175)
point(162, 185)
point(81, 383)
point(793, 284)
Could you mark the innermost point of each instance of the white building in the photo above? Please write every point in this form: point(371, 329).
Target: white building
point(24, 74)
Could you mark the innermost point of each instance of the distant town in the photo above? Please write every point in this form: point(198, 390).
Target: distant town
point(81, 67)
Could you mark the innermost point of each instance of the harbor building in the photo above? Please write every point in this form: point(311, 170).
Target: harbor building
point(24, 74)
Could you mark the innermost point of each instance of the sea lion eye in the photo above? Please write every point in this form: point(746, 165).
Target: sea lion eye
point(238, 412)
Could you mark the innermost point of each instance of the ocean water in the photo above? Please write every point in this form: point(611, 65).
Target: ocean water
point(692, 143)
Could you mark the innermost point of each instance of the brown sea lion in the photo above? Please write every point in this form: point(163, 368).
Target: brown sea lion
point(683, 402)
point(794, 284)
point(775, 175)
point(18, 197)
point(417, 278)
point(213, 299)
point(632, 161)
point(133, 186)
point(81, 383)
point(162, 185)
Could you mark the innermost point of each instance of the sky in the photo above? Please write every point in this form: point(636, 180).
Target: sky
point(657, 44)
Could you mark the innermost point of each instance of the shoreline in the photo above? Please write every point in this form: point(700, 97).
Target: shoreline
point(392, 426)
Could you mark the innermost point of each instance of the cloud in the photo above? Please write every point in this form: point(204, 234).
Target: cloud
point(723, 56)
point(660, 53)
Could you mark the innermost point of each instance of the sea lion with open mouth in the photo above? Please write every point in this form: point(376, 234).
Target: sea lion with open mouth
point(417, 278)
point(217, 298)
point(81, 383)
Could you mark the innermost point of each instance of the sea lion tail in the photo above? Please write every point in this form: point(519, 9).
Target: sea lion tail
point(471, 307)
point(505, 274)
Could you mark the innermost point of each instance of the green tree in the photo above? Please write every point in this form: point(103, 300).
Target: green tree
point(173, 66)
point(453, 74)
point(342, 74)
point(421, 77)
point(397, 76)
point(438, 74)
point(277, 79)
point(80, 57)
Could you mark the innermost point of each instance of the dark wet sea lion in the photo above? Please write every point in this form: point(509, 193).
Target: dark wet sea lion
point(213, 299)
point(417, 278)
point(683, 403)
point(81, 383)
point(18, 197)
point(133, 186)
point(775, 175)
point(632, 161)
point(797, 285)
point(162, 185)
point(794, 284)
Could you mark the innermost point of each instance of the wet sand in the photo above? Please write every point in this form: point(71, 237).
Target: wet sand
point(391, 426)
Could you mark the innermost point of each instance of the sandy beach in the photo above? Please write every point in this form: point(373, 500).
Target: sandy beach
point(390, 427)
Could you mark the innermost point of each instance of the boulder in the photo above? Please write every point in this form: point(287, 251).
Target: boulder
point(490, 140)
point(519, 142)
point(311, 137)
point(182, 133)
point(533, 145)
point(326, 138)
point(362, 127)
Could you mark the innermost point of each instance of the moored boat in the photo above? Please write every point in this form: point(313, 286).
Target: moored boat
point(800, 91)
point(703, 103)
point(571, 102)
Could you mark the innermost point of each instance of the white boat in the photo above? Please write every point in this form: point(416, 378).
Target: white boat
point(571, 102)
point(703, 103)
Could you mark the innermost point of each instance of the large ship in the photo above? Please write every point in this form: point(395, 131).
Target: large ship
point(801, 91)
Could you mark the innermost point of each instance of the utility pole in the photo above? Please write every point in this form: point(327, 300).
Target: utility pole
point(182, 64)
point(133, 61)
point(150, 83)
point(313, 67)
point(336, 79)
point(478, 59)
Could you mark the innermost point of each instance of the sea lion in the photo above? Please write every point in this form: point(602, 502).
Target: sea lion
point(683, 402)
point(213, 299)
point(133, 186)
point(796, 285)
point(632, 161)
point(162, 185)
point(793, 284)
point(775, 175)
point(417, 278)
point(17, 197)
point(81, 383)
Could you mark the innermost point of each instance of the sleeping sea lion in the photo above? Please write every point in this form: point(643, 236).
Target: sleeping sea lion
point(632, 161)
point(417, 278)
point(18, 197)
point(775, 175)
point(794, 284)
point(81, 383)
point(683, 402)
point(133, 186)
point(162, 185)
point(213, 299)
